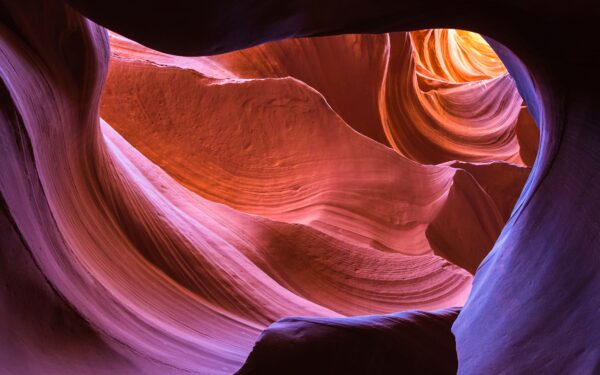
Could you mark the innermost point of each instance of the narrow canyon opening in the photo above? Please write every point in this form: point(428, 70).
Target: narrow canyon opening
point(362, 174)
point(324, 177)
point(357, 174)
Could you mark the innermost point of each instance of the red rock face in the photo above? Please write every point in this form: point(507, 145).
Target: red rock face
point(172, 208)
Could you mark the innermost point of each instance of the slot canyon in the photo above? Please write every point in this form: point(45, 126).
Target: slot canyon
point(300, 187)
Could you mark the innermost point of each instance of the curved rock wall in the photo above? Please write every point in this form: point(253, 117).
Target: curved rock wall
point(225, 192)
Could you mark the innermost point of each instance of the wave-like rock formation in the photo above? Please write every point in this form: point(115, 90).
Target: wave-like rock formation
point(450, 114)
point(159, 212)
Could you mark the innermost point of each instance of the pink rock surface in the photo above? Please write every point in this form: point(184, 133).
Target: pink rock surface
point(534, 302)
point(219, 194)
